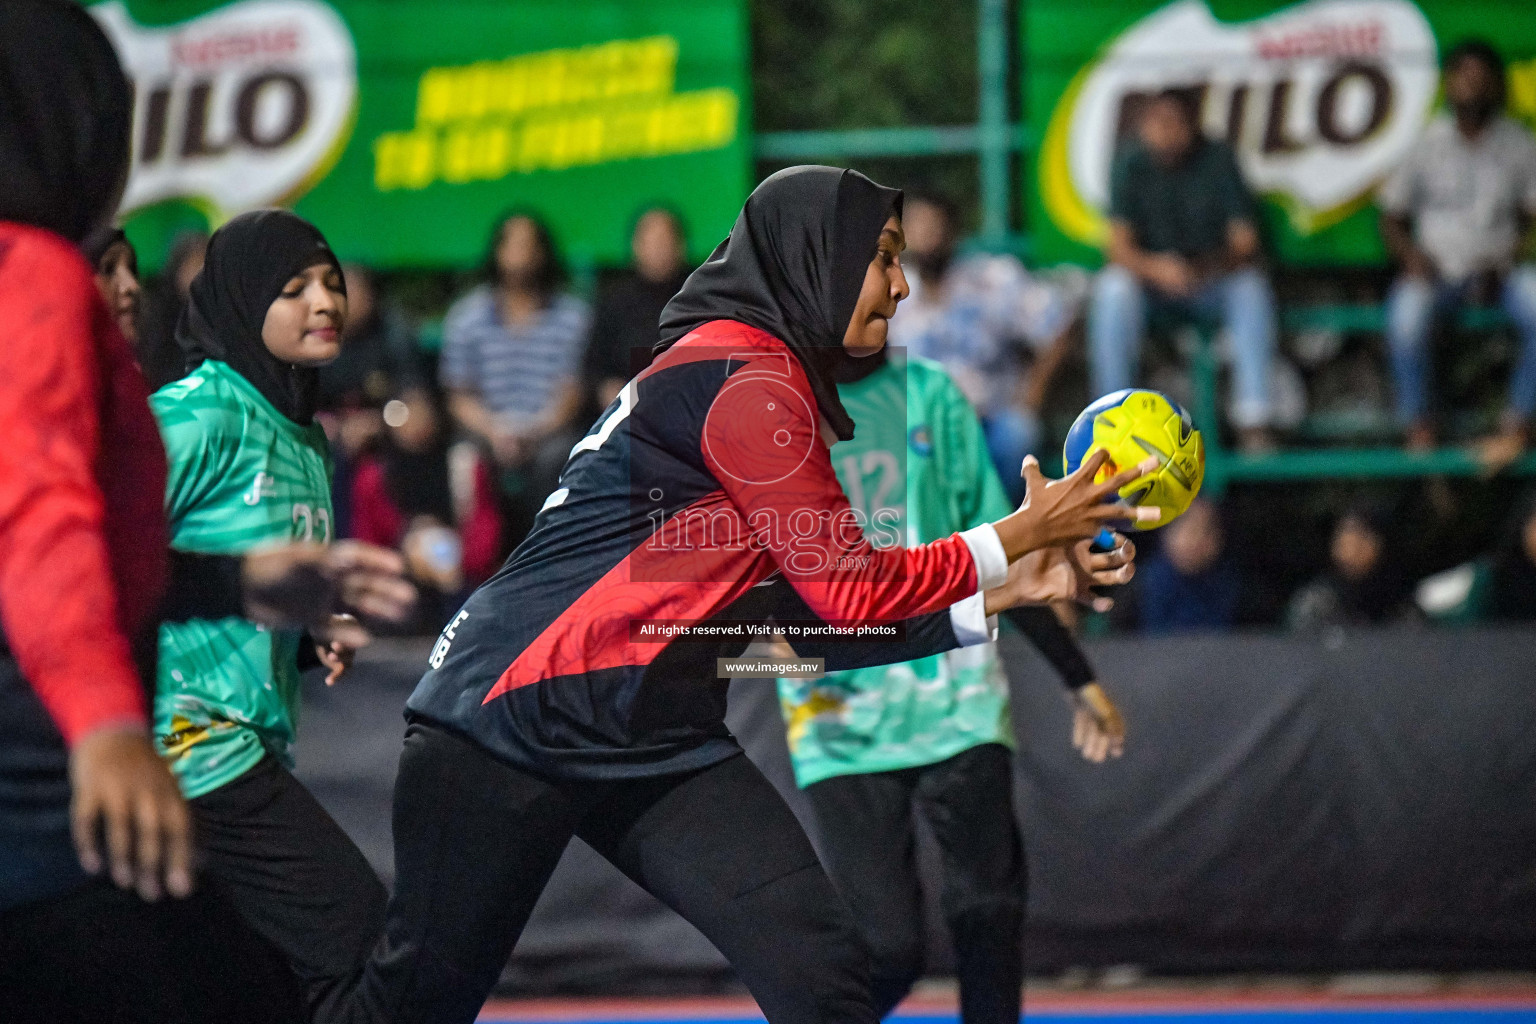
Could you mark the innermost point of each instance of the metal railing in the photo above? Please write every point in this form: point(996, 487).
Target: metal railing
point(994, 141)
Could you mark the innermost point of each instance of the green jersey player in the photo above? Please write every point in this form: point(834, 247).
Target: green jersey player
point(242, 475)
point(870, 745)
point(249, 468)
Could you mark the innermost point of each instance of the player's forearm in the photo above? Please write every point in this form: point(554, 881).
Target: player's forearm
point(1054, 642)
point(59, 607)
point(1019, 534)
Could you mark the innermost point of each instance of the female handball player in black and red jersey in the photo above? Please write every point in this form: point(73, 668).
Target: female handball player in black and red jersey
point(704, 495)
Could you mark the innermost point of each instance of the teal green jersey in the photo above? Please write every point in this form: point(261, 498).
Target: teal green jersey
point(242, 476)
point(913, 478)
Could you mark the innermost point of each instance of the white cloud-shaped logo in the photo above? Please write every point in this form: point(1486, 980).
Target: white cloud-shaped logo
point(1319, 100)
point(246, 106)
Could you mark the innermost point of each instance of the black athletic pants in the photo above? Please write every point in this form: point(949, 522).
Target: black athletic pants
point(865, 825)
point(296, 878)
point(476, 840)
point(101, 955)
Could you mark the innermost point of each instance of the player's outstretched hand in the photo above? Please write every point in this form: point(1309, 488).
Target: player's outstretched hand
point(305, 584)
point(1067, 573)
point(1057, 512)
point(123, 793)
point(1098, 730)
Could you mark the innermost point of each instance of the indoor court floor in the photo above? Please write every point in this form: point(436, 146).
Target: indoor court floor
point(1496, 1003)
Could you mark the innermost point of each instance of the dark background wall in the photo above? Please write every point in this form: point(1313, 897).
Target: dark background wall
point(1282, 805)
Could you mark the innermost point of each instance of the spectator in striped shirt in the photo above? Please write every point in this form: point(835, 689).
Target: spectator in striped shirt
point(511, 361)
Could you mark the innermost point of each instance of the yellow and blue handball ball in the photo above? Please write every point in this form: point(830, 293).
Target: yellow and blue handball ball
point(1135, 423)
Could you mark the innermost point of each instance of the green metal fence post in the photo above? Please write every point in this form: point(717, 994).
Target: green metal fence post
point(992, 119)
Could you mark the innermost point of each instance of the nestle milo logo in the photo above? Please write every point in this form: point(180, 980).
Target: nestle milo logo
point(245, 106)
point(1320, 100)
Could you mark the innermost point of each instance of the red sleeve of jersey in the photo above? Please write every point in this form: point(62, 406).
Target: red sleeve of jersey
point(762, 442)
point(58, 600)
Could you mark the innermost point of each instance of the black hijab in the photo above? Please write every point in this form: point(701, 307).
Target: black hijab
point(793, 265)
point(248, 262)
point(99, 241)
point(65, 111)
point(1379, 595)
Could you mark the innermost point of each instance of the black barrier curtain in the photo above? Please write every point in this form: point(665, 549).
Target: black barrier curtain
point(1282, 805)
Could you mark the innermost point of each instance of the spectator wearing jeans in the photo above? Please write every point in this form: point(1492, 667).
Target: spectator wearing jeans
point(1183, 236)
point(999, 331)
point(1454, 216)
point(511, 362)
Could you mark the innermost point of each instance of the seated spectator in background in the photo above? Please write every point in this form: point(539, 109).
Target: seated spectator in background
point(1183, 236)
point(434, 501)
point(159, 356)
point(1187, 585)
point(1360, 588)
point(379, 354)
point(1455, 216)
point(116, 266)
point(627, 315)
point(1511, 594)
point(984, 318)
point(379, 357)
point(511, 361)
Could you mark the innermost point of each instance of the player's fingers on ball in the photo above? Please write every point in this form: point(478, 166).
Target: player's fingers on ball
point(1113, 577)
point(1100, 513)
point(1029, 471)
point(1102, 604)
point(1117, 564)
point(1092, 464)
point(147, 847)
point(1112, 559)
point(1126, 477)
point(1120, 512)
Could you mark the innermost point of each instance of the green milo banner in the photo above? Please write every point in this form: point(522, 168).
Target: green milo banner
point(404, 127)
point(1320, 99)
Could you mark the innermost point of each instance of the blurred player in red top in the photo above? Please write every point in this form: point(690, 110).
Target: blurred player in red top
point(83, 564)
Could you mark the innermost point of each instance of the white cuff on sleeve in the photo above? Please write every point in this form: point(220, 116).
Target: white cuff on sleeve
point(987, 552)
point(970, 621)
